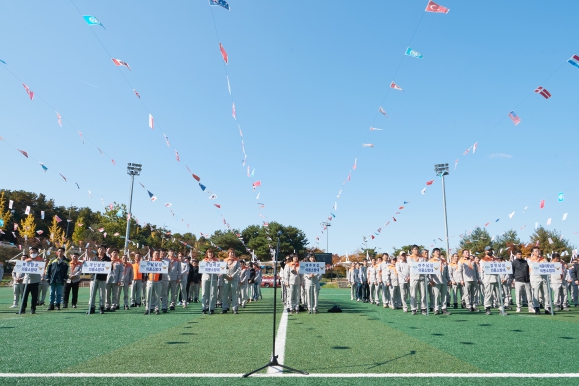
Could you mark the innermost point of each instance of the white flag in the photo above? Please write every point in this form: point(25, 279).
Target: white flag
point(10, 204)
point(565, 216)
point(511, 215)
point(549, 222)
point(151, 122)
point(27, 211)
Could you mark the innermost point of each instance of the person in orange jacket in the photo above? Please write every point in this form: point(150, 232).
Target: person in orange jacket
point(73, 281)
point(137, 293)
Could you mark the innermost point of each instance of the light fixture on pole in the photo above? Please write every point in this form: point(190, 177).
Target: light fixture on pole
point(132, 170)
point(442, 170)
point(326, 226)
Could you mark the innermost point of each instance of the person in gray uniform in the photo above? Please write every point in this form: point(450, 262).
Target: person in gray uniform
point(439, 284)
point(18, 285)
point(384, 279)
point(539, 287)
point(126, 281)
point(43, 287)
point(230, 283)
point(469, 279)
point(312, 281)
point(456, 287)
point(558, 285)
point(174, 275)
point(572, 288)
point(113, 282)
point(417, 283)
point(403, 270)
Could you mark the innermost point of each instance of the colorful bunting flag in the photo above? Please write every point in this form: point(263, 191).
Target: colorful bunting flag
point(355, 161)
point(168, 205)
point(42, 215)
point(196, 177)
point(367, 145)
point(151, 122)
point(57, 218)
point(565, 216)
point(63, 177)
point(233, 113)
point(223, 53)
point(202, 187)
point(381, 110)
point(433, 7)
point(428, 183)
point(511, 215)
point(395, 86)
point(91, 20)
point(136, 93)
point(515, 118)
point(561, 198)
point(177, 156)
point(423, 191)
point(257, 183)
point(29, 92)
point(412, 53)
point(374, 129)
point(218, 206)
point(27, 211)
point(474, 147)
point(58, 119)
point(167, 141)
point(25, 154)
point(455, 163)
point(549, 221)
point(43, 167)
point(542, 205)
point(543, 91)
point(573, 61)
point(118, 63)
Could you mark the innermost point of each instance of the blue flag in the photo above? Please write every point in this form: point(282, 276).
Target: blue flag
point(561, 198)
point(1, 222)
point(202, 187)
point(414, 54)
point(1, 61)
point(120, 213)
point(91, 20)
point(221, 3)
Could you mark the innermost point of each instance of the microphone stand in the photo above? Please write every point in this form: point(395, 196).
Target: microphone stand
point(273, 360)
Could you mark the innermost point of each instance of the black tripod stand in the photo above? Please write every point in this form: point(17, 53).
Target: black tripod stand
point(273, 359)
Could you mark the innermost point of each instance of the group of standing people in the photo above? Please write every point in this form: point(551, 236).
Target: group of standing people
point(462, 282)
point(299, 289)
point(238, 285)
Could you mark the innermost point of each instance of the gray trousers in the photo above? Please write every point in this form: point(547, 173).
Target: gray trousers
point(491, 289)
point(243, 293)
point(97, 286)
point(229, 296)
point(164, 294)
point(111, 294)
point(136, 291)
point(386, 294)
point(507, 296)
point(43, 290)
point(353, 291)
point(470, 293)
point(404, 294)
point(372, 286)
point(194, 291)
point(456, 290)
point(439, 297)
point(154, 290)
point(209, 294)
point(559, 294)
point(574, 291)
point(417, 286)
point(294, 296)
point(312, 290)
point(184, 292)
point(541, 291)
point(519, 287)
point(174, 288)
point(18, 290)
point(125, 290)
point(394, 297)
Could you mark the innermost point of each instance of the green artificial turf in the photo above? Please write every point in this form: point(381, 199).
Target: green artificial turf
point(362, 339)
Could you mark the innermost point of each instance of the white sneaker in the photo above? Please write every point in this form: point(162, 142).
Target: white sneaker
point(518, 310)
point(531, 311)
point(14, 306)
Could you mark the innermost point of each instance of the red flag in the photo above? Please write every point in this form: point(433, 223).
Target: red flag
point(428, 183)
point(394, 218)
point(28, 91)
point(196, 177)
point(57, 218)
point(542, 204)
point(118, 62)
point(25, 154)
point(136, 93)
point(233, 113)
point(177, 156)
point(217, 205)
point(257, 183)
point(63, 177)
point(543, 91)
point(433, 7)
point(373, 237)
point(223, 53)
point(395, 86)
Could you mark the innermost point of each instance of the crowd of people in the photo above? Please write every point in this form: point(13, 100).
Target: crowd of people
point(299, 291)
point(462, 281)
point(181, 285)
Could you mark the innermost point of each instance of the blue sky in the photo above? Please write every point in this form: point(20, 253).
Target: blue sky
point(307, 79)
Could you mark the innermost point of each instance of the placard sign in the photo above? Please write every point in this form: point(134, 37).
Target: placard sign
point(546, 269)
point(36, 267)
point(497, 268)
point(212, 267)
point(96, 266)
point(154, 266)
point(312, 267)
point(419, 268)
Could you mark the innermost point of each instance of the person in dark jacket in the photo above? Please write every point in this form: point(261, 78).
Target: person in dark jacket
point(522, 280)
point(574, 272)
point(194, 279)
point(56, 276)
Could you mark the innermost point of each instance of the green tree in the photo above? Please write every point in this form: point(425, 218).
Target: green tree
point(506, 243)
point(405, 248)
point(476, 241)
point(549, 241)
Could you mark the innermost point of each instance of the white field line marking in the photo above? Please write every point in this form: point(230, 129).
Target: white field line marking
point(232, 375)
point(280, 344)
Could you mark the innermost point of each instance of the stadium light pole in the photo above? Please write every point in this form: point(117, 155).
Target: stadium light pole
point(327, 225)
point(442, 170)
point(132, 170)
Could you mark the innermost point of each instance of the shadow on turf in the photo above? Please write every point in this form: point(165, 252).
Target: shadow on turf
point(367, 366)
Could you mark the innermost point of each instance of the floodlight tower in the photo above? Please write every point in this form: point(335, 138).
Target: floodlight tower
point(442, 170)
point(132, 170)
point(327, 225)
